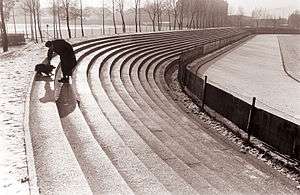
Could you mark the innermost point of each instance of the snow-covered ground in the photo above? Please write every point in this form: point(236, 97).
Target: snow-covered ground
point(16, 68)
point(255, 69)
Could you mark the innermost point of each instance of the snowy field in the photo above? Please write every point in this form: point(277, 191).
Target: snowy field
point(255, 69)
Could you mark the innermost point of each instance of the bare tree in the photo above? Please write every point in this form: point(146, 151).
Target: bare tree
point(81, 18)
point(34, 13)
point(55, 18)
point(139, 13)
point(14, 20)
point(159, 11)
point(114, 15)
point(181, 14)
point(58, 11)
point(174, 12)
point(168, 7)
point(257, 14)
point(240, 14)
point(26, 11)
point(294, 19)
point(27, 4)
point(121, 11)
point(150, 8)
point(38, 13)
point(3, 28)
point(103, 18)
point(66, 5)
point(74, 14)
point(136, 13)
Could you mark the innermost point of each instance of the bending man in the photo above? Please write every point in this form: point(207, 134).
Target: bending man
point(67, 57)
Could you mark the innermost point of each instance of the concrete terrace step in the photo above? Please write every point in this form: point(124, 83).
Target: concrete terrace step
point(94, 162)
point(133, 171)
point(119, 131)
point(143, 96)
point(57, 169)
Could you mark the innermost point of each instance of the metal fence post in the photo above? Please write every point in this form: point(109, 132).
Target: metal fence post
point(250, 118)
point(204, 93)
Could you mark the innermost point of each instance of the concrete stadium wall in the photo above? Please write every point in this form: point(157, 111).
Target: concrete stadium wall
point(277, 132)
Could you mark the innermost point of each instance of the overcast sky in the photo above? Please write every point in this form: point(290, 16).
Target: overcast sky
point(248, 5)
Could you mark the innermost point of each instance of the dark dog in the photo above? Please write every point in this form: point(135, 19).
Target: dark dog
point(44, 68)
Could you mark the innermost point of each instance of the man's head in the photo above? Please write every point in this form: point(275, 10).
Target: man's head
point(48, 44)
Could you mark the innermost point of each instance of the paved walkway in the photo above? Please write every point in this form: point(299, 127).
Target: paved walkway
point(255, 69)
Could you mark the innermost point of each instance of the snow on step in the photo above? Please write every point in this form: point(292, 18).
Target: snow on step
point(57, 169)
point(138, 177)
point(98, 169)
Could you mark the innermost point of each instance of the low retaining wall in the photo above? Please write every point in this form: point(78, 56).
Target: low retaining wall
point(270, 30)
point(277, 132)
point(14, 39)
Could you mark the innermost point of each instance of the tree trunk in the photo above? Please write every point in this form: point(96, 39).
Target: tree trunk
point(26, 31)
point(103, 18)
point(136, 16)
point(75, 21)
point(68, 21)
point(140, 28)
point(158, 22)
point(58, 18)
point(170, 25)
point(114, 16)
point(175, 21)
point(35, 23)
point(31, 24)
point(123, 21)
point(54, 20)
point(14, 20)
point(39, 22)
point(81, 19)
point(153, 25)
point(3, 29)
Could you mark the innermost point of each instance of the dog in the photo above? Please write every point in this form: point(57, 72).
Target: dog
point(44, 69)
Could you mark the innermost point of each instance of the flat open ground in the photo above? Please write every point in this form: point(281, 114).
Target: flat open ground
point(255, 69)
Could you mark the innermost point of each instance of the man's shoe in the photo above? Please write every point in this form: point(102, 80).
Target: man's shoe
point(64, 80)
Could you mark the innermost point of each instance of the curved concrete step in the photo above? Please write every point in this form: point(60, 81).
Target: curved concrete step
point(134, 172)
point(123, 127)
point(165, 127)
point(106, 76)
point(57, 168)
point(135, 77)
point(249, 174)
point(93, 161)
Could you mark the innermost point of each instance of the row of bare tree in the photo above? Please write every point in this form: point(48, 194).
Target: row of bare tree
point(188, 13)
point(178, 14)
